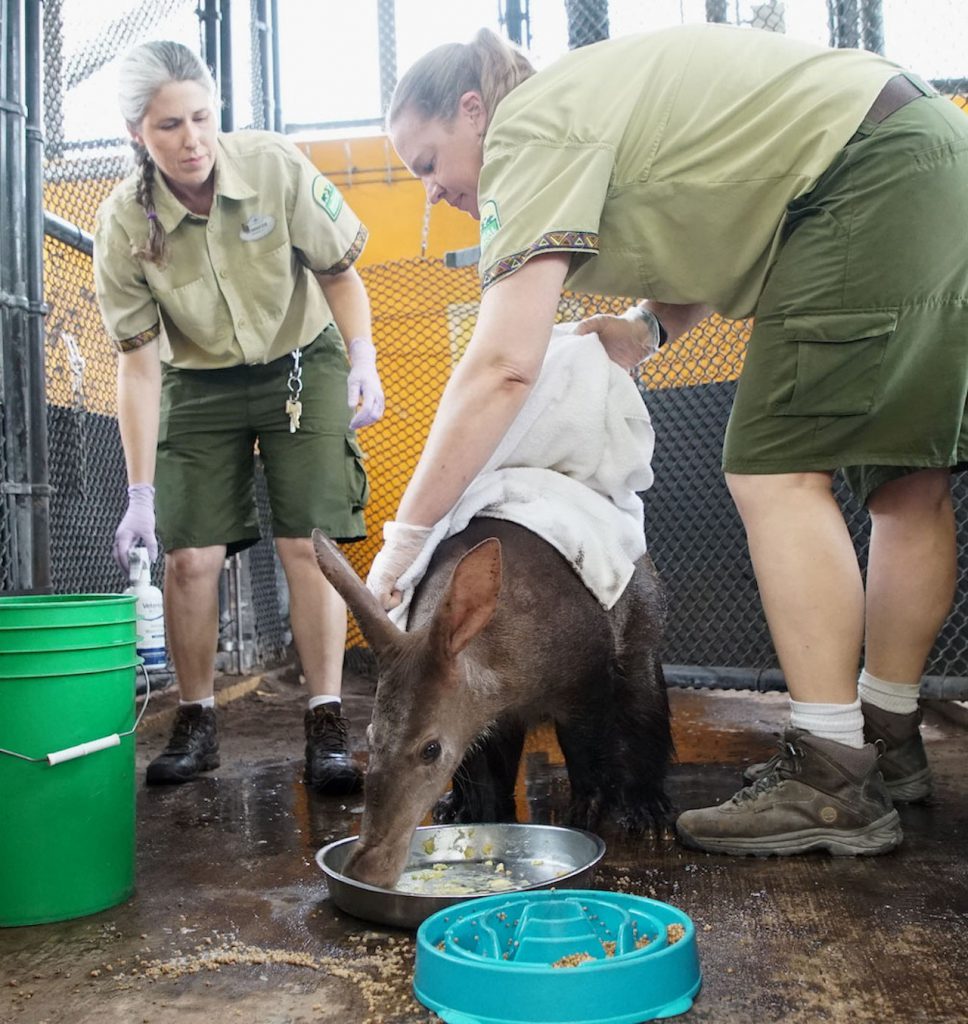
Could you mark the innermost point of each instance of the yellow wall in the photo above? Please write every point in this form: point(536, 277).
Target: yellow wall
point(389, 200)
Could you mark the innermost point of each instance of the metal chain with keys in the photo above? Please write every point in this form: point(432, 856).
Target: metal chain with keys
point(293, 405)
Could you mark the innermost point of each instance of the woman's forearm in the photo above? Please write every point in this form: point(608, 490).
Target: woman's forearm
point(488, 388)
point(475, 412)
point(139, 404)
point(347, 299)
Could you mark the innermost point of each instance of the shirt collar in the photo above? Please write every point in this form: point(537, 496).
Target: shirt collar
point(170, 211)
point(228, 183)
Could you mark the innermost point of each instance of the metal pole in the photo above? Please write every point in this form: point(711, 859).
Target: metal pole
point(276, 88)
point(14, 305)
point(68, 233)
point(225, 57)
point(716, 11)
point(209, 17)
point(512, 19)
point(36, 334)
point(239, 631)
point(262, 29)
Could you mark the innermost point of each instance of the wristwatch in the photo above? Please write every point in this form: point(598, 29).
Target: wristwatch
point(648, 317)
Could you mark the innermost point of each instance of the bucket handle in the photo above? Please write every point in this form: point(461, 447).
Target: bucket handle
point(92, 746)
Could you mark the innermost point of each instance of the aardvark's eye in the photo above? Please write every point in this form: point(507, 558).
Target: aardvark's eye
point(430, 752)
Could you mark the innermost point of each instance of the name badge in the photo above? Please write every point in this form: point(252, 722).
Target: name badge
point(257, 226)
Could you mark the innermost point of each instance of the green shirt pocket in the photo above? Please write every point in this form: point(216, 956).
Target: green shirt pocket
point(838, 362)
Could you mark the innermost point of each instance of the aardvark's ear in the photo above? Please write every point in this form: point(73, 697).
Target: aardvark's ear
point(380, 633)
point(470, 599)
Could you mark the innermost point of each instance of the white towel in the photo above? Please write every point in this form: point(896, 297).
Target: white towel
point(568, 469)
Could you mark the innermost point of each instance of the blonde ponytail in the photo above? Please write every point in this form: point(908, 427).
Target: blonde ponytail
point(433, 86)
point(502, 67)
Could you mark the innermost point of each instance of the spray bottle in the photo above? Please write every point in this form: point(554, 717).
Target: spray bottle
point(150, 612)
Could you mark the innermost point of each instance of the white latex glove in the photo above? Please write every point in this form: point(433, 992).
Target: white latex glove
point(402, 543)
point(629, 339)
point(364, 392)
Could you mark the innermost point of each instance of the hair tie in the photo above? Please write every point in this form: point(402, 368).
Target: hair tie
point(151, 215)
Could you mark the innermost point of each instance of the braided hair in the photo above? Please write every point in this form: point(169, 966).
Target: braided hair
point(143, 71)
point(154, 250)
point(433, 86)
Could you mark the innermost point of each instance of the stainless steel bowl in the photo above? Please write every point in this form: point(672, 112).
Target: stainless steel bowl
point(524, 857)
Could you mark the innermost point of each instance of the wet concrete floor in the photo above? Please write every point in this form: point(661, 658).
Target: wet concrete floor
point(231, 919)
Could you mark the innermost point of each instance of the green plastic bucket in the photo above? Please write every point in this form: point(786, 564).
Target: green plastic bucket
point(65, 638)
point(32, 610)
point(16, 664)
point(67, 784)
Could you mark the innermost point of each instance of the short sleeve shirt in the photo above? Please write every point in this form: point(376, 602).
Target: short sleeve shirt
point(237, 286)
point(664, 161)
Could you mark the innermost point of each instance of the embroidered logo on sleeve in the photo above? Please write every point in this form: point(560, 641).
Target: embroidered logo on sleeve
point(257, 226)
point(328, 196)
point(490, 221)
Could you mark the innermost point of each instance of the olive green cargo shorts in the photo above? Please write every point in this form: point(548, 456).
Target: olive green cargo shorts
point(210, 423)
point(858, 357)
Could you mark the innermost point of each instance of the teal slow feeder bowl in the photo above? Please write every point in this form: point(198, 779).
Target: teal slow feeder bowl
point(579, 956)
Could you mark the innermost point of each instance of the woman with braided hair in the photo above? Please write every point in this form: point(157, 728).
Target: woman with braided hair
point(224, 272)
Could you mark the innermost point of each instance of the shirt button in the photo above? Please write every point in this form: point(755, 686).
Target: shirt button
point(241, 321)
point(223, 273)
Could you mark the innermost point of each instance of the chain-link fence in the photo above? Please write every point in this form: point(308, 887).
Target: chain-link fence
point(423, 311)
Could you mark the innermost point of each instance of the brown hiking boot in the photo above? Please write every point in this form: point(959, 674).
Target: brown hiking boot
point(818, 795)
point(902, 761)
point(193, 747)
point(329, 767)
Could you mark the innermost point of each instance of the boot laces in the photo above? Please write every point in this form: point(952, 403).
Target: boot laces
point(784, 764)
point(182, 732)
point(329, 731)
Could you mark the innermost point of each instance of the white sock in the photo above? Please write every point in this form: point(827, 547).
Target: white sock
point(842, 723)
point(324, 698)
point(901, 698)
point(205, 702)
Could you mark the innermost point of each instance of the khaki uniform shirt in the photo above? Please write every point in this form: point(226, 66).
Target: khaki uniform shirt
point(665, 161)
point(237, 286)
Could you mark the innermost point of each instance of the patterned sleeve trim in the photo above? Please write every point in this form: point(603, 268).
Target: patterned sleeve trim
point(566, 241)
point(139, 340)
point(352, 254)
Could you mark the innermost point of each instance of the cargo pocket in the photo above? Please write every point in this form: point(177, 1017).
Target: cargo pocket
point(357, 482)
point(838, 361)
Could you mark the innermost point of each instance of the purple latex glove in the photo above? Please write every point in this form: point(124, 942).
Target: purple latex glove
point(364, 393)
point(137, 525)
